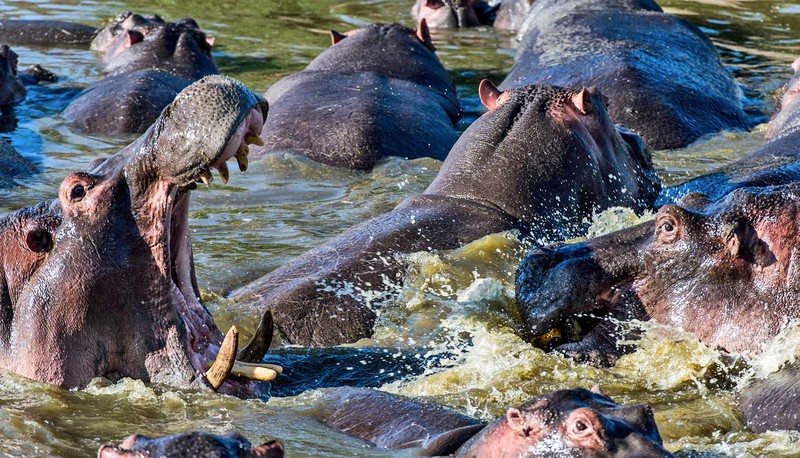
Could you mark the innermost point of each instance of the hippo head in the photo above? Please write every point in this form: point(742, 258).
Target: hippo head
point(575, 423)
point(726, 271)
point(786, 118)
point(191, 444)
point(120, 25)
point(174, 44)
point(446, 13)
point(11, 88)
point(101, 281)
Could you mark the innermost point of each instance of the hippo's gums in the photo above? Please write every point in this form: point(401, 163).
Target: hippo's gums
point(128, 24)
point(146, 72)
point(542, 160)
point(454, 13)
point(575, 423)
point(377, 91)
point(193, 444)
point(662, 75)
point(131, 307)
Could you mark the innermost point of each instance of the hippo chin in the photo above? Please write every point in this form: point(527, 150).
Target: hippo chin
point(575, 423)
point(193, 444)
point(120, 234)
point(538, 150)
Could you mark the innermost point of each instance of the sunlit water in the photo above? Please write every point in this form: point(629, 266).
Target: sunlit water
point(457, 309)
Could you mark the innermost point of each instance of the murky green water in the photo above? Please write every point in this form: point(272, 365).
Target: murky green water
point(458, 305)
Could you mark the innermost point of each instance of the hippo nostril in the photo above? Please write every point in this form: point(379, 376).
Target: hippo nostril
point(39, 241)
point(77, 193)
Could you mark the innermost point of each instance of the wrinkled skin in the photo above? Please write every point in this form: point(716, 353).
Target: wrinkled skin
point(192, 444)
point(144, 76)
point(662, 75)
point(131, 307)
point(377, 91)
point(534, 153)
point(512, 14)
point(11, 88)
point(576, 422)
point(442, 14)
point(45, 33)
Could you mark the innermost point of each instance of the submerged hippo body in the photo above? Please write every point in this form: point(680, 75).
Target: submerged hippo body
point(12, 165)
point(378, 91)
point(533, 145)
point(662, 76)
point(11, 87)
point(132, 307)
point(574, 422)
point(45, 33)
point(193, 444)
point(146, 72)
point(714, 262)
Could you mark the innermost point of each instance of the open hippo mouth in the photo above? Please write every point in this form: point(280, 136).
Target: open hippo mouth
point(106, 286)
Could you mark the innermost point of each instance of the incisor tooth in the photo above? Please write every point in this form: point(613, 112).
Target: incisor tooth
point(223, 172)
point(206, 177)
point(254, 140)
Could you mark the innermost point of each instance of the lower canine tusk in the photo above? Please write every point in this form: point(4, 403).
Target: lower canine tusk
point(261, 371)
point(226, 359)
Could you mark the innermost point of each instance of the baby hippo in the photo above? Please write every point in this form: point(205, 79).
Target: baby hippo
point(192, 444)
point(575, 423)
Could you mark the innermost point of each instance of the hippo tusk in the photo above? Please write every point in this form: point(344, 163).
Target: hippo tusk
point(254, 140)
point(223, 365)
point(261, 371)
point(223, 172)
point(241, 157)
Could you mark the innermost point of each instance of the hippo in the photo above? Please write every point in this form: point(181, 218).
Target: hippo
point(455, 13)
point(145, 73)
point(575, 422)
point(512, 13)
point(11, 87)
point(738, 216)
point(377, 91)
point(541, 161)
point(135, 26)
point(45, 33)
point(12, 165)
point(662, 76)
point(132, 306)
point(192, 444)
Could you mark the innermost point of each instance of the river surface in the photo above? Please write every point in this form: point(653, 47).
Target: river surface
point(454, 319)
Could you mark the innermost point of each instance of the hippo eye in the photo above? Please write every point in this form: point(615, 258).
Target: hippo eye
point(580, 425)
point(77, 193)
point(667, 230)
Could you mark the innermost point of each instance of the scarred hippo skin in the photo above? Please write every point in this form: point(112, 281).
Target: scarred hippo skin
point(714, 262)
point(120, 232)
point(576, 423)
point(377, 91)
point(542, 160)
point(454, 13)
point(41, 32)
point(192, 444)
point(146, 72)
point(662, 75)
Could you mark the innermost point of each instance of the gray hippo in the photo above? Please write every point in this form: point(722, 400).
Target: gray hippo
point(145, 73)
point(12, 165)
point(13, 81)
point(662, 76)
point(193, 444)
point(716, 261)
point(377, 91)
point(131, 307)
point(504, 15)
point(575, 423)
point(542, 160)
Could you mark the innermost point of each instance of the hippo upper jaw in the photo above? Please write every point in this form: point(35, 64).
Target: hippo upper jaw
point(131, 307)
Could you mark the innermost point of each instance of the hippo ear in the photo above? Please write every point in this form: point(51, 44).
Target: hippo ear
point(336, 37)
point(271, 449)
point(522, 424)
point(489, 94)
point(796, 64)
point(210, 40)
point(424, 34)
point(743, 242)
point(583, 102)
point(39, 240)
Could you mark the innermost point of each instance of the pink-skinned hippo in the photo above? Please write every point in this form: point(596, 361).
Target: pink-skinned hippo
point(119, 233)
point(541, 161)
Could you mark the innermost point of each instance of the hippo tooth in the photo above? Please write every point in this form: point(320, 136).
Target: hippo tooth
point(241, 157)
point(254, 140)
point(225, 361)
point(223, 172)
point(206, 177)
point(262, 372)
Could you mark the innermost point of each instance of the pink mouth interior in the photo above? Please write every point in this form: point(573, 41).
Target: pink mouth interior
point(203, 336)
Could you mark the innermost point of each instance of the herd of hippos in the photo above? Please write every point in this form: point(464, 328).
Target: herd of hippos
point(719, 259)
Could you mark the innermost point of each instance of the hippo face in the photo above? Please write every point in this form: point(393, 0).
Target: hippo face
point(180, 43)
point(101, 282)
point(11, 89)
point(725, 271)
point(121, 25)
point(574, 423)
point(191, 444)
point(446, 13)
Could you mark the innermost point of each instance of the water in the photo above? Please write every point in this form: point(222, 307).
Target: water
point(456, 309)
